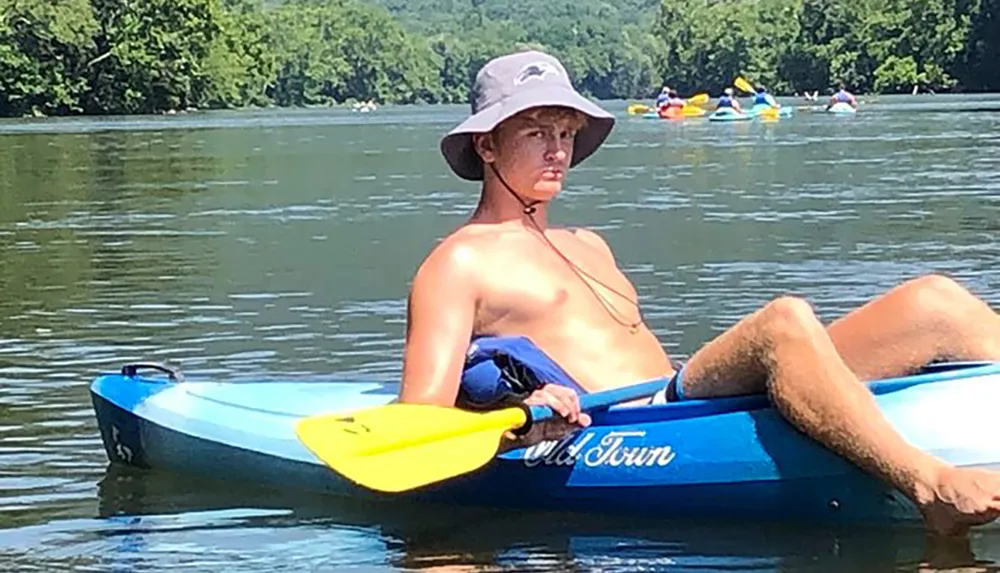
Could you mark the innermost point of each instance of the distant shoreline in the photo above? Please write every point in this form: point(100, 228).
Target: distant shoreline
point(863, 98)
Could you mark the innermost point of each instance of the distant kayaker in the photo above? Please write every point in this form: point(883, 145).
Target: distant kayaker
point(506, 272)
point(676, 100)
point(672, 105)
point(728, 99)
point(761, 97)
point(842, 96)
point(663, 98)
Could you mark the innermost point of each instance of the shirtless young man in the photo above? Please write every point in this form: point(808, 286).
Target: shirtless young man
point(506, 272)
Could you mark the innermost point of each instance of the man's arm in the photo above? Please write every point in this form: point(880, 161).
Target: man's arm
point(440, 320)
point(440, 316)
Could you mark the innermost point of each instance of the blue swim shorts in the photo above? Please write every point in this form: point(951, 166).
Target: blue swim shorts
point(674, 389)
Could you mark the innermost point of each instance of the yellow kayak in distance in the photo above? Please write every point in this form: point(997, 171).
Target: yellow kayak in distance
point(638, 109)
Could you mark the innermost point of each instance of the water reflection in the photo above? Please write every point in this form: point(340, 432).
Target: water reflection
point(156, 513)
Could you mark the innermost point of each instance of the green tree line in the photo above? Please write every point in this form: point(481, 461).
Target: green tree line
point(146, 56)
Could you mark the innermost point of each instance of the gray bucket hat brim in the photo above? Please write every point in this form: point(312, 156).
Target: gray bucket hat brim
point(460, 154)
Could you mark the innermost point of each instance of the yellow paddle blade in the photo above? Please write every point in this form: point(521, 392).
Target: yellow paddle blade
point(398, 447)
point(692, 111)
point(743, 85)
point(698, 99)
point(770, 113)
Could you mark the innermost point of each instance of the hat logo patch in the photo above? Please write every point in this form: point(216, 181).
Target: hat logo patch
point(535, 71)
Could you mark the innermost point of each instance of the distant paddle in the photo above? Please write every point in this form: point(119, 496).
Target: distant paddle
point(743, 85)
point(698, 99)
point(399, 447)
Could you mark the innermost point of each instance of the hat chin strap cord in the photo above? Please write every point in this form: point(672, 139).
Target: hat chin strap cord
point(529, 208)
point(616, 315)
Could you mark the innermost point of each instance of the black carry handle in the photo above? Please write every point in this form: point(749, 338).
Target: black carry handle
point(131, 369)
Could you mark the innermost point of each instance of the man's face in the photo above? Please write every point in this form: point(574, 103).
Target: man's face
point(533, 149)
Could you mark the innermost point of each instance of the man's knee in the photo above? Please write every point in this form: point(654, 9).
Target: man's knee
point(938, 295)
point(937, 287)
point(789, 318)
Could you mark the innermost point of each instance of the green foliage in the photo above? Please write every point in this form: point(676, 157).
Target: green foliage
point(979, 64)
point(44, 48)
point(150, 56)
point(533, 16)
point(332, 52)
point(796, 45)
point(240, 66)
point(459, 59)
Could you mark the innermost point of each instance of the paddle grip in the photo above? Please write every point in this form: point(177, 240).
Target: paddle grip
point(597, 401)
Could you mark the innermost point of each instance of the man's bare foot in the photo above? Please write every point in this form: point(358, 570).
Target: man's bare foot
point(962, 498)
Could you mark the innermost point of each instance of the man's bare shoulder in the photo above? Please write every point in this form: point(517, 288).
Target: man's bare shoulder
point(593, 239)
point(461, 253)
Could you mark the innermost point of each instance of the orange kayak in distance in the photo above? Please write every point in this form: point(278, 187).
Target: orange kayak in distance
point(672, 113)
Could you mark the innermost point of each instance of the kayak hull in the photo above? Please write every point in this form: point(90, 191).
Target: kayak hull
point(729, 114)
point(673, 113)
point(676, 113)
point(716, 458)
point(135, 441)
point(841, 108)
point(692, 111)
point(638, 109)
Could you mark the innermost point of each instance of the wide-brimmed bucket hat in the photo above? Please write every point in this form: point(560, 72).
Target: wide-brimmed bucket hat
point(510, 84)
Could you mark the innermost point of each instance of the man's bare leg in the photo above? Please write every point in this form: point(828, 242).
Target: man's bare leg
point(926, 319)
point(785, 350)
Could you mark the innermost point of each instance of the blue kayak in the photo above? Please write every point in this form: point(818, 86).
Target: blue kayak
point(727, 458)
point(728, 114)
point(841, 108)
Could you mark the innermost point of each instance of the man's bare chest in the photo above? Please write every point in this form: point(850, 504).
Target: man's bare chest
point(543, 286)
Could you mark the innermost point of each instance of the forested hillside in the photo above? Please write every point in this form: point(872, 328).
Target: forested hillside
point(791, 45)
point(142, 56)
point(425, 16)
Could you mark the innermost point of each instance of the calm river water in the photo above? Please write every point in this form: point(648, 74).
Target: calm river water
point(259, 244)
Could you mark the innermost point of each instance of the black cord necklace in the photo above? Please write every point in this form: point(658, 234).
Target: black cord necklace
point(529, 210)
